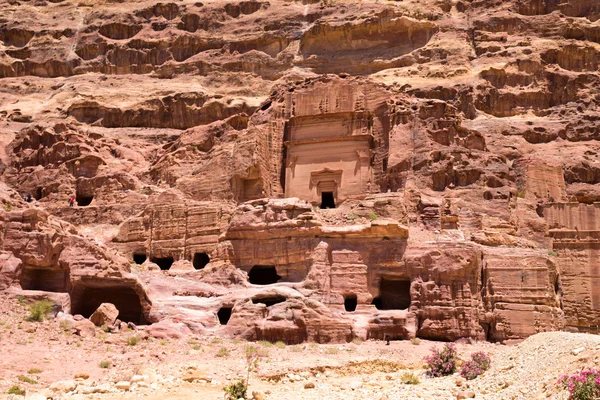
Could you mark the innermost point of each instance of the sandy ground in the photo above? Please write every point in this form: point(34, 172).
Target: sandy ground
point(199, 367)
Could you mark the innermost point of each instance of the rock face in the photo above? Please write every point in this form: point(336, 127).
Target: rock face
point(296, 171)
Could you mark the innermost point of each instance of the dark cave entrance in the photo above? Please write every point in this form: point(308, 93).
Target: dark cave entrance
point(224, 314)
point(163, 262)
point(85, 300)
point(45, 280)
point(139, 258)
point(200, 260)
point(263, 275)
point(377, 302)
point(350, 302)
point(327, 200)
point(268, 300)
point(394, 294)
point(83, 201)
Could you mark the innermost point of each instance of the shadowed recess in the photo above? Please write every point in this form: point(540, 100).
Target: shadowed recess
point(85, 300)
point(268, 300)
point(139, 258)
point(46, 280)
point(200, 260)
point(393, 295)
point(263, 275)
point(163, 262)
point(224, 314)
point(83, 201)
point(350, 302)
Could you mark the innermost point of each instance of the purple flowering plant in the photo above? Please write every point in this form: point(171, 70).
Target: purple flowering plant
point(441, 362)
point(476, 366)
point(584, 385)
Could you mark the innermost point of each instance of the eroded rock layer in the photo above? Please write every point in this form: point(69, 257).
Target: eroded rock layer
point(305, 171)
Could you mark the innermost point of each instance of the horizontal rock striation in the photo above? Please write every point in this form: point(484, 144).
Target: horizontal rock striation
point(304, 171)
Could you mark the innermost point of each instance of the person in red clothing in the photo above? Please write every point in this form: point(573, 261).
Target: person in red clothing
point(72, 201)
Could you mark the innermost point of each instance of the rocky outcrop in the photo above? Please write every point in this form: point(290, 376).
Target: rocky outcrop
point(106, 314)
point(304, 171)
point(48, 255)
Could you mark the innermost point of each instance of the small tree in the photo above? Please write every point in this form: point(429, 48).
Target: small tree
point(443, 362)
point(239, 388)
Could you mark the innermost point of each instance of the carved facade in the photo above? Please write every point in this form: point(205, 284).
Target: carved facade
point(328, 157)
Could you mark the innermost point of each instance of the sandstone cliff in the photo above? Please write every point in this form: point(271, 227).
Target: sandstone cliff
point(295, 171)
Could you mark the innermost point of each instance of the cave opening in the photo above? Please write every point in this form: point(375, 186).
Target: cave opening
point(86, 299)
point(539, 209)
point(139, 258)
point(200, 260)
point(394, 294)
point(268, 300)
point(163, 262)
point(263, 275)
point(45, 280)
point(38, 193)
point(350, 302)
point(327, 200)
point(224, 314)
point(83, 201)
point(377, 302)
point(487, 330)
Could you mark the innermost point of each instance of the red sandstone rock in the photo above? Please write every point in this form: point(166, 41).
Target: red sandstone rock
point(456, 141)
point(105, 314)
point(84, 328)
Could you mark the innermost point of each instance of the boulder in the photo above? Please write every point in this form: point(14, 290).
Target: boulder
point(84, 328)
point(105, 314)
point(64, 386)
point(168, 330)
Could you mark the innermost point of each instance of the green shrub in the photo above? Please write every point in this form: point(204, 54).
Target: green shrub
point(132, 341)
point(265, 343)
point(223, 352)
point(408, 378)
point(38, 310)
point(415, 341)
point(104, 364)
point(16, 390)
point(280, 345)
point(26, 379)
point(372, 216)
point(552, 253)
point(65, 326)
point(352, 217)
point(34, 371)
point(235, 390)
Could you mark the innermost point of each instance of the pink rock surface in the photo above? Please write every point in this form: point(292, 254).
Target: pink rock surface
point(296, 172)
